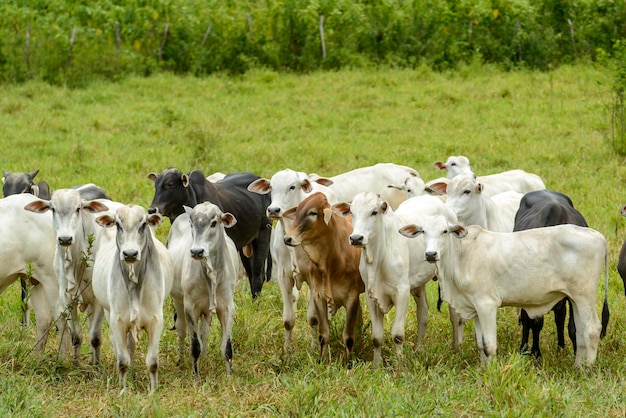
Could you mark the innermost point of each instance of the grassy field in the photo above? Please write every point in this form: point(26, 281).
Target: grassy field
point(552, 124)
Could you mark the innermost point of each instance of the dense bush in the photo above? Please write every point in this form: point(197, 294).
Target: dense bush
point(117, 37)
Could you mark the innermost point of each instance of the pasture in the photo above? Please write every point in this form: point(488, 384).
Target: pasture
point(114, 134)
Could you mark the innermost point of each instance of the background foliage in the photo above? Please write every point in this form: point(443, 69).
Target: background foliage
point(113, 38)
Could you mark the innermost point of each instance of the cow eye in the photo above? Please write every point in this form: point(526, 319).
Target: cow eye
point(374, 213)
point(466, 191)
point(452, 164)
point(313, 213)
point(213, 224)
point(292, 187)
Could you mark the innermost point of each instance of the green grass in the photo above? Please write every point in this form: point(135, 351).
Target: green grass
point(551, 124)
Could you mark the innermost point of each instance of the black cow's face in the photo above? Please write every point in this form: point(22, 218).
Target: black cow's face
point(170, 193)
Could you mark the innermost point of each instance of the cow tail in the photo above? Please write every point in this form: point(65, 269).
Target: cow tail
point(439, 300)
point(605, 307)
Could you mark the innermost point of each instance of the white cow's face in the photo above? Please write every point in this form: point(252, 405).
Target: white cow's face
point(66, 205)
point(437, 234)
point(133, 231)
point(289, 188)
point(457, 165)
point(464, 197)
point(207, 228)
point(367, 211)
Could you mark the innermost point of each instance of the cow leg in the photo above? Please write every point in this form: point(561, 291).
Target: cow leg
point(43, 316)
point(76, 330)
point(587, 332)
point(195, 340)
point(95, 333)
point(181, 327)
point(286, 285)
point(154, 330)
point(486, 332)
point(528, 324)
point(25, 303)
point(560, 311)
point(377, 318)
point(225, 312)
point(571, 326)
point(458, 325)
point(323, 331)
point(118, 336)
point(421, 302)
point(311, 317)
point(353, 318)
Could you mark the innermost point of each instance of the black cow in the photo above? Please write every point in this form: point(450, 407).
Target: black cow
point(251, 233)
point(539, 209)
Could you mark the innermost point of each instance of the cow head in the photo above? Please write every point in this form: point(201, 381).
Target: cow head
point(66, 206)
point(367, 210)
point(288, 189)
point(464, 197)
point(207, 228)
point(15, 183)
point(132, 233)
point(309, 218)
point(170, 193)
point(436, 235)
point(454, 166)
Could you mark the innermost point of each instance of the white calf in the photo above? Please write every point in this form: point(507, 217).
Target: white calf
point(28, 245)
point(517, 180)
point(392, 267)
point(480, 271)
point(288, 189)
point(209, 274)
point(396, 193)
point(73, 224)
point(132, 277)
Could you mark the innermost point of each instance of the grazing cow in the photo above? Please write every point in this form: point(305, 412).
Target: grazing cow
point(334, 267)
point(289, 188)
point(373, 178)
point(539, 209)
point(206, 264)
point(132, 276)
point(480, 271)
point(621, 262)
point(516, 180)
point(251, 234)
point(28, 247)
point(73, 223)
point(393, 268)
point(473, 207)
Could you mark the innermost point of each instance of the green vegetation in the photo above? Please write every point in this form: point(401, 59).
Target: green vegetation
point(550, 123)
point(76, 41)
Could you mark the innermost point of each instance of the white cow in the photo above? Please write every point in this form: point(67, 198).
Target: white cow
point(396, 193)
point(517, 180)
point(28, 244)
point(473, 207)
point(132, 276)
point(392, 267)
point(206, 260)
point(373, 178)
point(480, 271)
point(289, 188)
point(72, 221)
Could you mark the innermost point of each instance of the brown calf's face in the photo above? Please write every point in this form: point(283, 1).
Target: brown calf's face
point(310, 219)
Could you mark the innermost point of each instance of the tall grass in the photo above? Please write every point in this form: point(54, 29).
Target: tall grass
point(114, 134)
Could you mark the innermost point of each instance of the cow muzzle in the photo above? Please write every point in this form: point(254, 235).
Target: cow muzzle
point(130, 256)
point(431, 256)
point(197, 253)
point(273, 213)
point(65, 241)
point(153, 209)
point(357, 240)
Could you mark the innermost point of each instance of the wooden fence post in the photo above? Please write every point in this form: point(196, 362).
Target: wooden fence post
point(322, 40)
point(206, 35)
point(71, 46)
point(166, 31)
point(27, 46)
point(571, 35)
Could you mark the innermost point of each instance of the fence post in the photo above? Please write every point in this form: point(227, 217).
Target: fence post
point(27, 46)
point(166, 31)
point(118, 46)
point(206, 35)
point(71, 46)
point(571, 35)
point(322, 40)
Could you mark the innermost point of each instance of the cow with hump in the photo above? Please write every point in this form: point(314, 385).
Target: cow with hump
point(334, 268)
point(539, 209)
point(206, 266)
point(480, 271)
point(251, 234)
point(392, 267)
point(132, 276)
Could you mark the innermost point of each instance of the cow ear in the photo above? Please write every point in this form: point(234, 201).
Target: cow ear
point(306, 186)
point(290, 213)
point(342, 208)
point(185, 180)
point(152, 176)
point(384, 206)
point(260, 186)
point(38, 206)
point(396, 186)
point(328, 213)
point(439, 166)
point(188, 209)
point(4, 174)
point(106, 220)
point(411, 231)
point(155, 219)
point(323, 181)
point(458, 231)
point(228, 220)
point(439, 188)
point(93, 206)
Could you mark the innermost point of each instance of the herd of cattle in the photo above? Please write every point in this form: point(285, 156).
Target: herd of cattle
point(489, 241)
